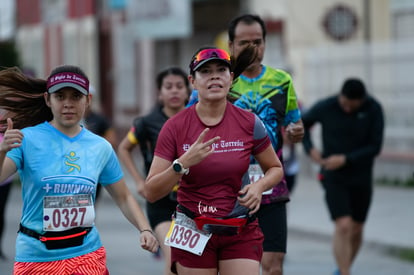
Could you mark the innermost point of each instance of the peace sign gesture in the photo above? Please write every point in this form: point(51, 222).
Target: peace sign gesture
point(199, 150)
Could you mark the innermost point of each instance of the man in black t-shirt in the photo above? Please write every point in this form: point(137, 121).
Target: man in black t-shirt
point(352, 135)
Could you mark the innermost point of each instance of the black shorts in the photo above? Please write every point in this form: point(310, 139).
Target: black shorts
point(273, 222)
point(161, 211)
point(345, 199)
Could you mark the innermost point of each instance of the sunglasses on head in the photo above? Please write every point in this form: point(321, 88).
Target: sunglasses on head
point(210, 53)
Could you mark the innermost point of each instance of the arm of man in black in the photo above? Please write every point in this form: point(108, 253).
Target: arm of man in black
point(375, 132)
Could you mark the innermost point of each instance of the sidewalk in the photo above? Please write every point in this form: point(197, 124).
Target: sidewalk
point(390, 220)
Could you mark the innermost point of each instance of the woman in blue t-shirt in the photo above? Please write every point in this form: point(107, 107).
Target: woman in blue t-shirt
point(60, 164)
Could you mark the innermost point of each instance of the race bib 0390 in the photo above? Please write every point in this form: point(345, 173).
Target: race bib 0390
point(184, 235)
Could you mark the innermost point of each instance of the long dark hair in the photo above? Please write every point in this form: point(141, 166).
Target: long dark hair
point(22, 97)
point(245, 58)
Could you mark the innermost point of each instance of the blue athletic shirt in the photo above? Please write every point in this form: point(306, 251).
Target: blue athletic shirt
point(50, 163)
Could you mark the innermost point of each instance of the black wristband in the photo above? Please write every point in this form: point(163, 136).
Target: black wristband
point(149, 230)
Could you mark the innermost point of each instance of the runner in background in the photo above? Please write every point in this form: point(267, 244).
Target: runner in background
point(173, 91)
point(352, 135)
point(269, 93)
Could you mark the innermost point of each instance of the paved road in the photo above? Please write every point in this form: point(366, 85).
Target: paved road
point(309, 251)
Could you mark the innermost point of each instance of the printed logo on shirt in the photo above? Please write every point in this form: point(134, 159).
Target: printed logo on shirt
point(223, 146)
point(69, 188)
point(56, 184)
point(70, 161)
point(204, 208)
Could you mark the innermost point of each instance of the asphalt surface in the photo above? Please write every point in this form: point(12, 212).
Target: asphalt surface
point(390, 225)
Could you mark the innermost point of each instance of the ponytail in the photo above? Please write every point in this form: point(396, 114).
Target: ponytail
point(22, 97)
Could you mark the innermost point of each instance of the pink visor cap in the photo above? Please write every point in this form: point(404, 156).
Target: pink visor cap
point(64, 80)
